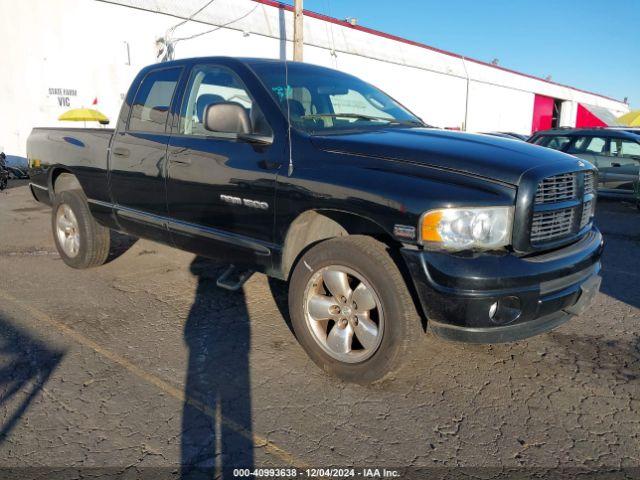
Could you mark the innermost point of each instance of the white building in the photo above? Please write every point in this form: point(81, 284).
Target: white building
point(62, 54)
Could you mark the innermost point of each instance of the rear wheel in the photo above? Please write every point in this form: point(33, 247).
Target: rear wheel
point(351, 310)
point(80, 240)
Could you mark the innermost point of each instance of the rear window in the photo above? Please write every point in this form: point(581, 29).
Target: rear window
point(152, 101)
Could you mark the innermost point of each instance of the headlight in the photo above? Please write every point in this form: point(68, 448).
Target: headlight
point(483, 228)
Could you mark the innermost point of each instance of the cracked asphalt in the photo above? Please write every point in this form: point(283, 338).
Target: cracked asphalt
point(144, 364)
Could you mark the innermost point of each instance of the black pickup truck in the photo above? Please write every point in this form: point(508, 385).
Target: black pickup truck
point(381, 225)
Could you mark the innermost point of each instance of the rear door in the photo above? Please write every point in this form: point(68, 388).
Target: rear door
point(221, 189)
point(138, 157)
point(624, 170)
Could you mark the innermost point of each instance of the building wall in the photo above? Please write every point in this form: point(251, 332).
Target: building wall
point(495, 108)
point(66, 53)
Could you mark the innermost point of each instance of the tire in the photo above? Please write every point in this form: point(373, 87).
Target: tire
point(92, 240)
point(371, 271)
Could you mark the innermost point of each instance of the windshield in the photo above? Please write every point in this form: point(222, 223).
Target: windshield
point(321, 100)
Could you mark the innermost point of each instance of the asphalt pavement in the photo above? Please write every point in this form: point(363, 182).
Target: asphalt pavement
point(143, 365)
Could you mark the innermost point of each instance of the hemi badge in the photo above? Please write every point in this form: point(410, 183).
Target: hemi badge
point(404, 231)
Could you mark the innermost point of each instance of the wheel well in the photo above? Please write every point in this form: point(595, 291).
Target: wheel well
point(313, 226)
point(62, 180)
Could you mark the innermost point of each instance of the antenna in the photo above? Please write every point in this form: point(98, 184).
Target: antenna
point(286, 97)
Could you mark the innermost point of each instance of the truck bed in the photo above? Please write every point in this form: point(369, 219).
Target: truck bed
point(82, 150)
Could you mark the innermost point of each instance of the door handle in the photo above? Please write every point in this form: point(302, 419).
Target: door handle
point(615, 164)
point(269, 164)
point(121, 152)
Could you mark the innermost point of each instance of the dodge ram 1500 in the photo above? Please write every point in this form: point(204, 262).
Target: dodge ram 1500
point(381, 225)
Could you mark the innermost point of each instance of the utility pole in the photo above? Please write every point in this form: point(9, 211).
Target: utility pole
point(298, 29)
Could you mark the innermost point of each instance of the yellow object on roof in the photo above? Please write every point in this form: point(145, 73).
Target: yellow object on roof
point(631, 119)
point(83, 115)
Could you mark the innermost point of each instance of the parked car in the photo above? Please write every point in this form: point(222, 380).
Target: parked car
point(4, 173)
point(634, 130)
point(16, 173)
point(315, 177)
point(615, 152)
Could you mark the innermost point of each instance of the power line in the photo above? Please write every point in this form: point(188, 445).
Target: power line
point(188, 19)
point(166, 43)
point(218, 27)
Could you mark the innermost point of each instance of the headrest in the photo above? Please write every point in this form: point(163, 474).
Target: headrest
point(205, 100)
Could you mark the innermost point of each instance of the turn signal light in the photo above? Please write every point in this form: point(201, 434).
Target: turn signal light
point(430, 223)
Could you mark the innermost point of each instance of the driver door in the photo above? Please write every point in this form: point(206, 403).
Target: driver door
point(221, 188)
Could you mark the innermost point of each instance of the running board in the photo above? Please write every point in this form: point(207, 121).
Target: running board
point(232, 279)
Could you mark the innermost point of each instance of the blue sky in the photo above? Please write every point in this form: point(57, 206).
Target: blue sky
point(589, 44)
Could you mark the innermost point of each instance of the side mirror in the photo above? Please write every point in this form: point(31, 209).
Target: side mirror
point(227, 117)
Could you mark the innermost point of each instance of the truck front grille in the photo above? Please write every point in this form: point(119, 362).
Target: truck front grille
point(556, 188)
point(573, 192)
point(552, 225)
point(589, 183)
point(587, 212)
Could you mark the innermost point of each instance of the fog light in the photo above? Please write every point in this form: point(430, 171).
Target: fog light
point(505, 310)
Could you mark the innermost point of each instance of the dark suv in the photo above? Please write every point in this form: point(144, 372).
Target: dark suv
point(615, 152)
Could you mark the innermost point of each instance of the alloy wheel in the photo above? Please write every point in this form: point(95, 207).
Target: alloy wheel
point(343, 313)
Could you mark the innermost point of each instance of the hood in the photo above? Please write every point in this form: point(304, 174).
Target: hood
point(494, 158)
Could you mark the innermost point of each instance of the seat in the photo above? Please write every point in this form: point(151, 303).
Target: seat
point(296, 109)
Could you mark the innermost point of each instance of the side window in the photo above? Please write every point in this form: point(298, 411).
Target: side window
point(152, 101)
point(593, 145)
point(558, 143)
point(210, 85)
point(597, 146)
point(625, 148)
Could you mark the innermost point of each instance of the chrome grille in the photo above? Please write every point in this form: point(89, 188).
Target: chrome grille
point(589, 183)
point(557, 188)
point(573, 211)
point(587, 212)
point(551, 225)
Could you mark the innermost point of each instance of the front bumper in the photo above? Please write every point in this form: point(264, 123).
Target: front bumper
point(531, 295)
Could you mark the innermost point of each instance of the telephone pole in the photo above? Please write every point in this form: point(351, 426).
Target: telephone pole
point(298, 30)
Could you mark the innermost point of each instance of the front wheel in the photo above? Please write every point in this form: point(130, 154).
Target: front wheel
point(81, 241)
point(351, 309)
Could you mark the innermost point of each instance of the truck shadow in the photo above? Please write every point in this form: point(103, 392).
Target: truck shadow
point(619, 223)
point(280, 292)
point(216, 421)
point(26, 364)
point(120, 244)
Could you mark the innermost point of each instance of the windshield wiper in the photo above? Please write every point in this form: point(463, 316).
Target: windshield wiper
point(364, 117)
